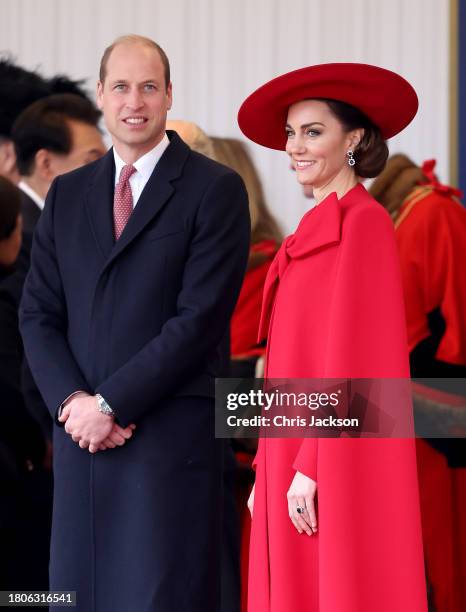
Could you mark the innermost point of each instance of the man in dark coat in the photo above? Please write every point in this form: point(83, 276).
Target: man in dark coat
point(137, 263)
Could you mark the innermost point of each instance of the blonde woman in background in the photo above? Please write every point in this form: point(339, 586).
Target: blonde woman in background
point(266, 237)
point(193, 136)
point(246, 354)
point(200, 142)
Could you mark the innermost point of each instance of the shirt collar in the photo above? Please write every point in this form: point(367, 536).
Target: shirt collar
point(29, 191)
point(145, 164)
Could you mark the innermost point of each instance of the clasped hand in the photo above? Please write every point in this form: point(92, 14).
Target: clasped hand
point(89, 427)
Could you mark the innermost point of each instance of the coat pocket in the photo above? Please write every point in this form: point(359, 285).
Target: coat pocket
point(159, 233)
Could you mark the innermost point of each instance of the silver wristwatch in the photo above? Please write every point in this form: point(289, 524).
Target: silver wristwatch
point(103, 405)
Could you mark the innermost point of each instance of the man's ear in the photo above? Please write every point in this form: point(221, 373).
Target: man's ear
point(43, 166)
point(169, 95)
point(99, 95)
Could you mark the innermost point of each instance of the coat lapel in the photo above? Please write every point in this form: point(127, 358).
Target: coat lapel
point(99, 203)
point(156, 193)
point(319, 228)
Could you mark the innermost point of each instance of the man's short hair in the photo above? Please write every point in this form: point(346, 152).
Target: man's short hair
point(44, 125)
point(21, 87)
point(134, 39)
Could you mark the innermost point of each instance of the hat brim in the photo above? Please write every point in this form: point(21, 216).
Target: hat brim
point(385, 97)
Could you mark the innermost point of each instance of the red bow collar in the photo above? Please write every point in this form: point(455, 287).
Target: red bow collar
point(319, 228)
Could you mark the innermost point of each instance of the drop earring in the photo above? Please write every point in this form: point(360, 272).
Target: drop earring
point(351, 160)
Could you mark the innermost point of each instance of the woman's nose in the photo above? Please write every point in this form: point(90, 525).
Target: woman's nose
point(295, 145)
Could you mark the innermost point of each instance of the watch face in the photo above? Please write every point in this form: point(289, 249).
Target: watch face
point(103, 406)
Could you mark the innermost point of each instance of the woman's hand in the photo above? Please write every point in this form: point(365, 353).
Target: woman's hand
point(301, 494)
point(251, 500)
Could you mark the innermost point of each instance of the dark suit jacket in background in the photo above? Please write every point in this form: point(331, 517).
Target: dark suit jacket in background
point(25, 487)
point(139, 321)
point(31, 215)
point(13, 284)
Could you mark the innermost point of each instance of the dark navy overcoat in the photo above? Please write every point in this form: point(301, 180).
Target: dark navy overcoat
point(136, 528)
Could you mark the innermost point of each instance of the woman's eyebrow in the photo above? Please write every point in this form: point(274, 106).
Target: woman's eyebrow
point(306, 125)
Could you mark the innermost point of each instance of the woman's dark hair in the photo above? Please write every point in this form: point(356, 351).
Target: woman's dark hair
point(10, 203)
point(371, 153)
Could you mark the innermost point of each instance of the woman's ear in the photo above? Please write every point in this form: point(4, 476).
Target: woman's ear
point(355, 137)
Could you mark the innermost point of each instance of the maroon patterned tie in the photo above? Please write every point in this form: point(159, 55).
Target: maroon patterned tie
point(122, 201)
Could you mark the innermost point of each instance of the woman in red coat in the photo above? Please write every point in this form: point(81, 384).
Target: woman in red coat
point(336, 525)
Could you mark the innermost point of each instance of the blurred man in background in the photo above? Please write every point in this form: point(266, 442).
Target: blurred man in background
point(55, 135)
point(20, 88)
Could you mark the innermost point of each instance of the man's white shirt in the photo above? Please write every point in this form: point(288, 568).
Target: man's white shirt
point(35, 197)
point(144, 167)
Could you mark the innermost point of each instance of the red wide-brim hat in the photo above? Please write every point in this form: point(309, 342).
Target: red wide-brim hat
point(385, 97)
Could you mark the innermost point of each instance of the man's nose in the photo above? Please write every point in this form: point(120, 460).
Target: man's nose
point(134, 99)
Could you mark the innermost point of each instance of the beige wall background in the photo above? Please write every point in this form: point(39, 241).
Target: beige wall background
point(220, 50)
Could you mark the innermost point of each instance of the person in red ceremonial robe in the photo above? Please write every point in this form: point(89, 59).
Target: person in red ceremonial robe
point(430, 224)
point(336, 522)
point(430, 227)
